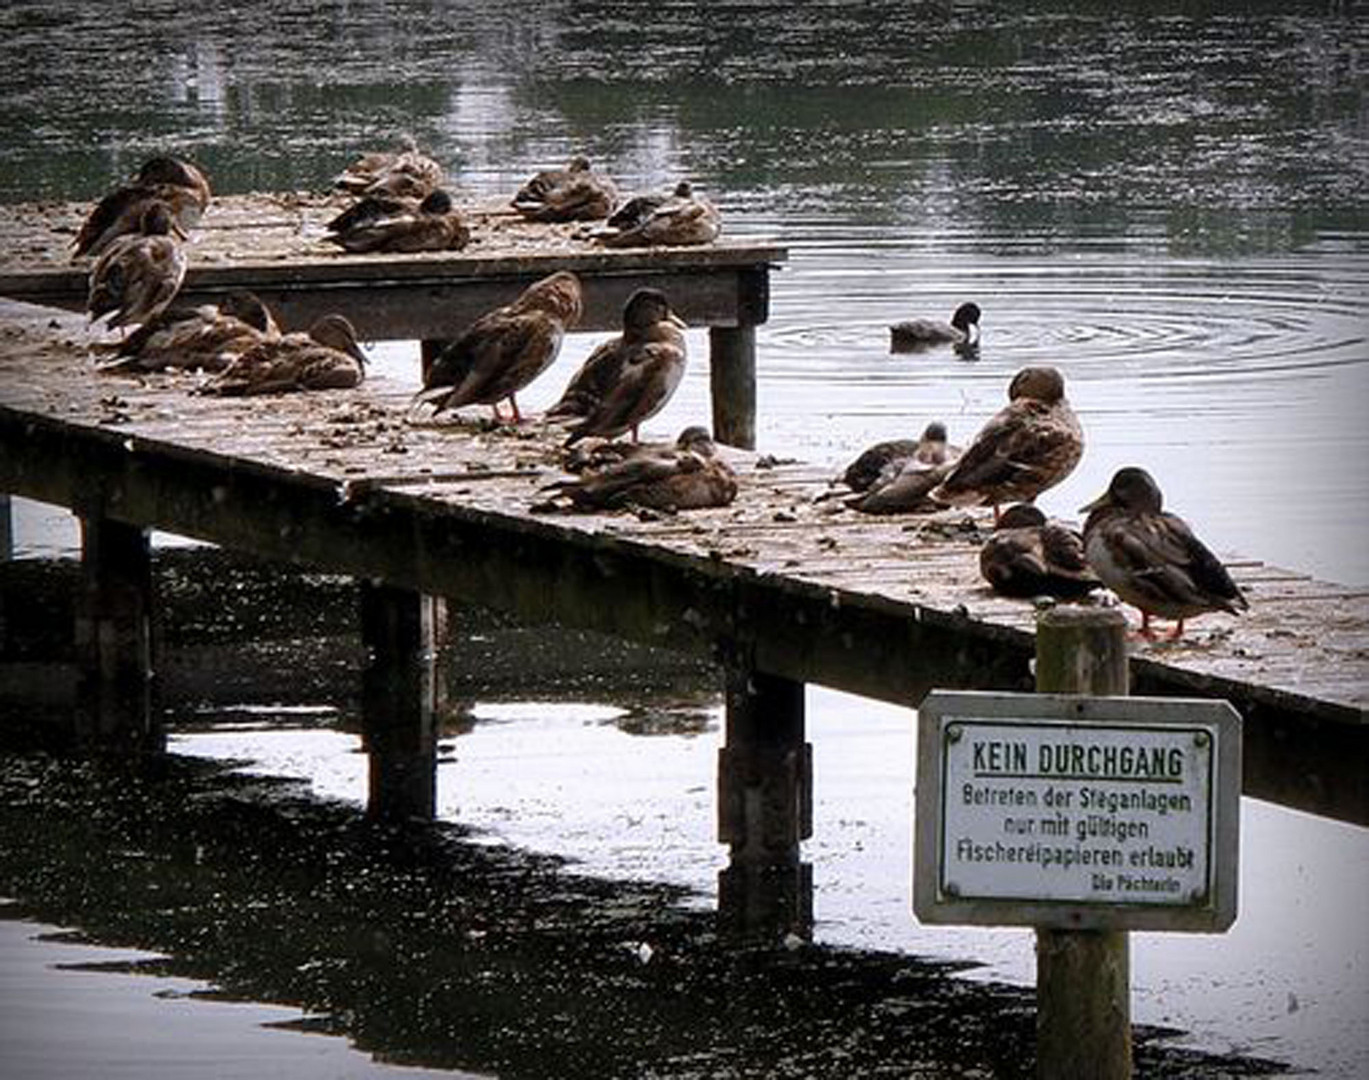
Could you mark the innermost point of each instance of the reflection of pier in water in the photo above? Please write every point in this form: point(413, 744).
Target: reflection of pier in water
point(774, 590)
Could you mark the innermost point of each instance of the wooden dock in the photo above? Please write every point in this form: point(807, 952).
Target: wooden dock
point(778, 589)
point(274, 244)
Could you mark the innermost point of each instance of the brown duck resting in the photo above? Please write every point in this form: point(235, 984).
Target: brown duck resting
point(403, 172)
point(1029, 556)
point(1151, 559)
point(397, 224)
point(897, 476)
point(1030, 445)
point(178, 185)
point(680, 219)
point(630, 378)
point(205, 338)
point(138, 275)
point(326, 357)
point(575, 193)
point(505, 349)
point(686, 476)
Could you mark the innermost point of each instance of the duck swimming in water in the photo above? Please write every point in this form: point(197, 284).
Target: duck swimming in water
point(505, 349)
point(138, 274)
point(389, 223)
point(1028, 556)
point(1030, 445)
point(1150, 558)
point(679, 219)
point(628, 379)
point(687, 476)
point(916, 334)
point(327, 357)
point(206, 338)
point(575, 193)
point(178, 185)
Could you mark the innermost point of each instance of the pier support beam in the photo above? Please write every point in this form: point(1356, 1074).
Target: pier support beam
point(765, 807)
point(114, 634)
point(401, 693)
point(732, 381)
point(1083, 977)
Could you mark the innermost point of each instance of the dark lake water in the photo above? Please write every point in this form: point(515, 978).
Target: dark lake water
point(1170, 202)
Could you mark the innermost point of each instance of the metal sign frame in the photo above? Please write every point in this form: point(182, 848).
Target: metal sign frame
point(1210, 732)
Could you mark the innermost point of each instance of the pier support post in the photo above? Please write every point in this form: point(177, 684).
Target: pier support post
point(6, 528)
point(732, 382)
point(1083, 979)
point(401, 630)
point(114, 638)
point(765, 807)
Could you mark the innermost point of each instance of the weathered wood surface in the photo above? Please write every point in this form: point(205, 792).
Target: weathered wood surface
point(275, 245)
point(803, 589)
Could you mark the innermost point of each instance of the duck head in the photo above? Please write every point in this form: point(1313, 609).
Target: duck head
point(1039, 383)
point(337, 332)
point(1132, 489)
point(966, 320)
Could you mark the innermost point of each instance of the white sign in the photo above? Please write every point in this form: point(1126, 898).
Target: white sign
point(1060, 810)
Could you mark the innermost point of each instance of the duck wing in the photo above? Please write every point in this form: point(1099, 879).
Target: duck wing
point(1025, 447)
point(646, 382)
point(592, 381)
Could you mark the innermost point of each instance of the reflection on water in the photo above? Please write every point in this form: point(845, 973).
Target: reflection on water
point(1169, 202)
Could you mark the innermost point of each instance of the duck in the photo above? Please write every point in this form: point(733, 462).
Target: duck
point(875, 461)
point(686, 476)
point(179, 185)
point(505, 349)
point(679, 219)
point(326, 357)
point(896, 476)
point(1028, 556)
point(1151, 558)
point(208, 337)
point(575, 193)
point(1030, 445)
point(916, 334)
point(139, 274)
point(404, 172)
point(628, 379)
point(397, 224)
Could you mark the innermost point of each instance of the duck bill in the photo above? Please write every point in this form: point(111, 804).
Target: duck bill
point(1097, 504)
point(673, 318)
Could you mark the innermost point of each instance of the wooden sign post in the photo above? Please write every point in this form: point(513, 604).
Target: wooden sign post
point(1083, 813)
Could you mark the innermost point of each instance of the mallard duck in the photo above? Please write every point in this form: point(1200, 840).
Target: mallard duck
point(138, 275)
point(404, 172)
point(575, 193)
point(896, 476)
point(387, 223)
point(327, 357)
point(875, 461)
point(627, 379)
point(1030, 445)
point(1151, 558)
point(179, 185)
point(209, 337)
point(914, 334)
point(505, 349)
point(679, 219)
point(1027, 556)
point(687, 476)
